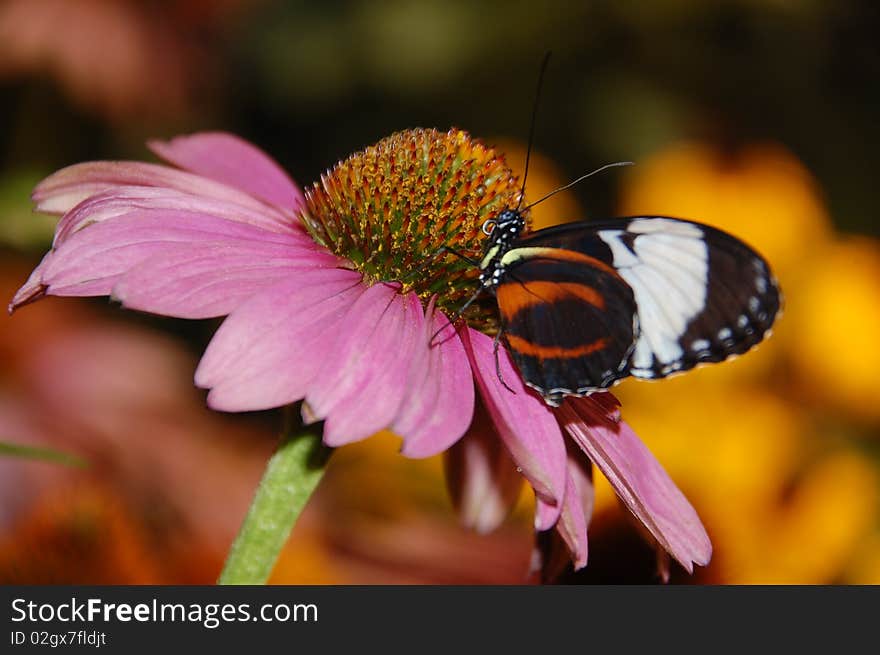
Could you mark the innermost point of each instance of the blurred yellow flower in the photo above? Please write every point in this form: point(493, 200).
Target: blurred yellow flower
point(812, 536)
point(865, 565)
point(837, 315)
point(774, 517)
point(731, 451)
point(306, 559)
point(761, 194)
point(735, 448)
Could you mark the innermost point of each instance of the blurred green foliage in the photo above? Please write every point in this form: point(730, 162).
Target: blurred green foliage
point(20, 227)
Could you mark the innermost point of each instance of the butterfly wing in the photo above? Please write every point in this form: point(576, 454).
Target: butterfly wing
point(568, 320)
point(701, 294)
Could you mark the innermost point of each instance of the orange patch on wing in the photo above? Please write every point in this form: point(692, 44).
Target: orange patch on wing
point(562, 255)
point(581, 258)
point(525, 347)
point(515, 296)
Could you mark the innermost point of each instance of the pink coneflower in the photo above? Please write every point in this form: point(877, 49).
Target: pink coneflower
point(334, 297)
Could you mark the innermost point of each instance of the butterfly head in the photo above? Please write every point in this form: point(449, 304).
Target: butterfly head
point(502, 231)
point(505, 228)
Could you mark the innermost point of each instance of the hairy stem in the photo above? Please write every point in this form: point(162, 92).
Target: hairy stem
point(290, 478)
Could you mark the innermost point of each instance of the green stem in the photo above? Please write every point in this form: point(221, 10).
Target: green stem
point(290, 478)
point(36, 452)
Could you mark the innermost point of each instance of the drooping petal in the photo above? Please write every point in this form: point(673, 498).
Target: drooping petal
point(577, 509)
point(525, 424)
point(556, 549)
point(227, 158)
point(63, 190)
point(546, 514)
point(364, 380)
point(32, 290)
point(607, 404)
point(123, 200)
point(267, 351)
point(639, 480)
point(482, 479)
point(440, 403)
point(93, 260)
point(550, 558)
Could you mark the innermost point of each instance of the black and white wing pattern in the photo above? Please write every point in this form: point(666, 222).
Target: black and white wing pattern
point(701, 295)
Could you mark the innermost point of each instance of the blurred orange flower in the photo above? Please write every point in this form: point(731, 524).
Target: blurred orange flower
point(77, 535)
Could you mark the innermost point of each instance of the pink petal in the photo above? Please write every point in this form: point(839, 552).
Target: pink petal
point(233, 161)
point(63, 190)
point(209, 281)
point(380, 381)
point(93, 260)
point(555, 550)
point(550, 558)
point(577, 509)
point(482, 479)
point(32, 290)
point(525, 424)
point(266, 353)
point(439, 407)
point(639, 481)
point(365, 378)
point(546, 514)
point(123, 200)
point(606, 403)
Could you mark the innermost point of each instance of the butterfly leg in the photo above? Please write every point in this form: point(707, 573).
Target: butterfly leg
point(458, 315)
point(495, 345)
point(442, 250)
point(453, 251)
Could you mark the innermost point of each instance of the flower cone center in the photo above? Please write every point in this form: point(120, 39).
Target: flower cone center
point(391, 210)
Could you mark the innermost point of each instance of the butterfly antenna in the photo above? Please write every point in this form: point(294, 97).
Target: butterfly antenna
point(544, 62)
point(580, 179)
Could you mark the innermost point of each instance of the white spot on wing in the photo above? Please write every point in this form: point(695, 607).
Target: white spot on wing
point(700, 344)
point(667, 269)
point(666, 225)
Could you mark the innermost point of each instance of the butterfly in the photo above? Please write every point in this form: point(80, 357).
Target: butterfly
point(584, 305)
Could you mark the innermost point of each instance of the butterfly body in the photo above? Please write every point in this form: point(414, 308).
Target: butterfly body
point(584, 305)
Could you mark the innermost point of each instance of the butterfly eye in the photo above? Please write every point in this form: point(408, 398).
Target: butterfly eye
point(489, 227)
